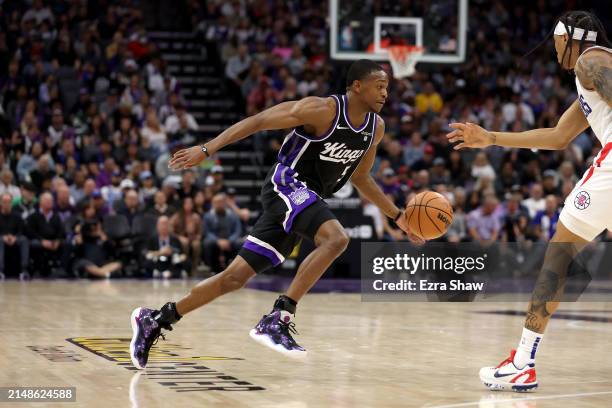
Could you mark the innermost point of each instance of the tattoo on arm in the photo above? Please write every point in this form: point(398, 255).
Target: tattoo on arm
point(596, 73)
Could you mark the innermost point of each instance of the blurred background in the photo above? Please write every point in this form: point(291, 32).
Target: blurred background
point(96, 95)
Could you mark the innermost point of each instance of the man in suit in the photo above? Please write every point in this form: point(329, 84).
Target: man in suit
point(46, 233)
point(12, 235)
point(164, 253)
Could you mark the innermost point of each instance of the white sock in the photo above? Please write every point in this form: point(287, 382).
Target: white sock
point(527, 348)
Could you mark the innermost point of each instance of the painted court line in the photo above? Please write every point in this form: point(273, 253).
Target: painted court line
point(467, 404)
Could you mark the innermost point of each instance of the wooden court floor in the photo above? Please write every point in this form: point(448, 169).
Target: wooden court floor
point(360, 354)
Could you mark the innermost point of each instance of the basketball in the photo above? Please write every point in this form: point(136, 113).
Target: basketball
point(429, 214)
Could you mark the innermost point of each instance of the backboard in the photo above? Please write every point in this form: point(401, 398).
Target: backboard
point(364, 28)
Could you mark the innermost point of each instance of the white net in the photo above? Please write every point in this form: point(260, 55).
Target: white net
point(403, 59)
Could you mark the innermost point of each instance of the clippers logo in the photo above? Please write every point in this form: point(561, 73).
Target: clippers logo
point(299, 196)
point(582, 200)
point(337, 152)
point(586, 109)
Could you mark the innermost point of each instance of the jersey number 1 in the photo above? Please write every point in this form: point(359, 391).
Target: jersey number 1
point(344, 173)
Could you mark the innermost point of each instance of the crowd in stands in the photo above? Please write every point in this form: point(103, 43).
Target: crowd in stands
point(89, 116)
point(274, 54)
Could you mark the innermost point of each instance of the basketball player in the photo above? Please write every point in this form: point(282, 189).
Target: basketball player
point(334, 140)
point(578, 37)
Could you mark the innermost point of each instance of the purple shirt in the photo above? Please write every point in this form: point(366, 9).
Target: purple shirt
point(485, 225)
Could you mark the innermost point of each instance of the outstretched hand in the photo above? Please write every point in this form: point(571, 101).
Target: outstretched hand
point(403, 224)
point(469, 135)
point(186, 158)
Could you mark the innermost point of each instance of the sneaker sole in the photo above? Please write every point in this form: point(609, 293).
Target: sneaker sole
point(503, 386)
point(265, 341)
point(134, 323)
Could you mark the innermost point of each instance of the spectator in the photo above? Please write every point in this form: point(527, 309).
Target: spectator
point(237, 66)
point(439, 174)
point(481, 167)
point(390, 185)
point(188, 187)
point(160, 205)
point(155, 133)
point(148, 188)
point(414, 150)
point(536, 201)
point(112, 192)
point(186, 225)
point(164, 254)
point(92, 251)
point(243, 213)
point(26, 204)
point(483, 225)
point(458, 231)
point(6, 184)
point(545, 221)
point(428, 101)
point(550, 182)
point(43, 173)
point(222, 234)
point(12, 236)
point(64, 206)
point(180, 122)
point(46, 233)
point(131, 207)
point(516, 219)
point(215, 181)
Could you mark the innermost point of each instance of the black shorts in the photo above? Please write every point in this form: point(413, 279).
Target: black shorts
point(284, 221)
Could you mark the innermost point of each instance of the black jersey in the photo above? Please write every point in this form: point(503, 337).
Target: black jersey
point(323, 164)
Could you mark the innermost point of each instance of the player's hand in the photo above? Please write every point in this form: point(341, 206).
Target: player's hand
point(469, 135)
point(186, 158)
point(402, 222)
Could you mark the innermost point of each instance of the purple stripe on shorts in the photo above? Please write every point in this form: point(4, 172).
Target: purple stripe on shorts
point(298, 196)
point(260, 250)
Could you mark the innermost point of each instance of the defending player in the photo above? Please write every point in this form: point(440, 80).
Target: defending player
point(325, 150)
point(578, 37)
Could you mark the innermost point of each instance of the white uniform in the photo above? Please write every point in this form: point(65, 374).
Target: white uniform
point(588, 208)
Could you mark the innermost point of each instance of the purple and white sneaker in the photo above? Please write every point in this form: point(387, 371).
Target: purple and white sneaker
point(145, 332)
point(274, 331)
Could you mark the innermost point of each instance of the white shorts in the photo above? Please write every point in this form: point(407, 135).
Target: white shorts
point(588, 208)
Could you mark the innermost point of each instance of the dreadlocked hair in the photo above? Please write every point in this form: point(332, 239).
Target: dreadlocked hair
point(578, 19)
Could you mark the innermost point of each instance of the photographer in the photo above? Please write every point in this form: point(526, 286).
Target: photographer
point(92, 250)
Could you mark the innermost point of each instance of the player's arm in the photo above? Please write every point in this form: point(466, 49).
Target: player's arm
point(571, 124)
point(307, 111)
point(366, 185)
point(594, 71)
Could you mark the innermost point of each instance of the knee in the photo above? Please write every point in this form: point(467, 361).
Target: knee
point(231, 281)
point(337, 241)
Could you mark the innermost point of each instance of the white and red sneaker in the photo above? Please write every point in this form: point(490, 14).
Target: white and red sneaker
point(506, 376)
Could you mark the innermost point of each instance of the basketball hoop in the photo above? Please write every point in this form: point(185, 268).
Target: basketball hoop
point(403, 59)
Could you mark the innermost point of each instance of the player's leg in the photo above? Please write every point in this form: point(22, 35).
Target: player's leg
point(256, 255)
point(318, 224)
point(234, 277)
point(148, 323)
point(330, 240)
point(517, 372)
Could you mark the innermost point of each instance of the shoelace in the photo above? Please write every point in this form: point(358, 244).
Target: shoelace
point(157, 338)
point(288, 327)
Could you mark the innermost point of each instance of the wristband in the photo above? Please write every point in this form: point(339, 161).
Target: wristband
point(398, 216)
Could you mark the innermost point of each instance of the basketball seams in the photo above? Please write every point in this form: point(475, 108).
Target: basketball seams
point(432, 221)
point(419, 217)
